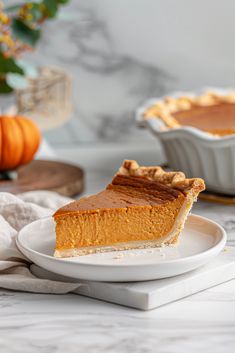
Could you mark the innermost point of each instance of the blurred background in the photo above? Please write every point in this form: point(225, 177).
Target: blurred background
point(120, 53)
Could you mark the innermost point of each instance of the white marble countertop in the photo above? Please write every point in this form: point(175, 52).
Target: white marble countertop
point(204, 322)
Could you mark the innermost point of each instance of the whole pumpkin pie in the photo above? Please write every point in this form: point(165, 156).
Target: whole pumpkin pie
point(142, 207)
point(209, 112)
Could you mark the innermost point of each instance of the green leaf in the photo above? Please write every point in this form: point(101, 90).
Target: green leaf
point(29, 69)
point(9, 65)
point(16, 81)
point(24, 33)
point(51, 6)
point(36, 13)
point(4, 87)
point(63, 1)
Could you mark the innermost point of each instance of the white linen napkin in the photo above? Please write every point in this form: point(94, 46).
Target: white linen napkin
point(15, 213)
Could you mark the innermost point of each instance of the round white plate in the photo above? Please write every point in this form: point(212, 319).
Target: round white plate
point(200, 241)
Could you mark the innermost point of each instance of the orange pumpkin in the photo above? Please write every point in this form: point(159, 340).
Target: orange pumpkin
point(19, 141)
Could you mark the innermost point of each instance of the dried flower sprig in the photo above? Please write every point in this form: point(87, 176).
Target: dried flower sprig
point(20, 30)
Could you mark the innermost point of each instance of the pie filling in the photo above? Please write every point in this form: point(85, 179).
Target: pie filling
point(134, 211)
point(217, 119)
point(157, 239)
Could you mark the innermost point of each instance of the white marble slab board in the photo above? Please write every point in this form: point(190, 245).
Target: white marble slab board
point(152, 294)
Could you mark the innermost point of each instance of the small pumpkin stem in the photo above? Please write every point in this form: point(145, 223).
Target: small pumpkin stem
point(8, 175)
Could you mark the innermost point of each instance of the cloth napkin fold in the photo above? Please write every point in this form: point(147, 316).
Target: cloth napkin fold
point(15, 213)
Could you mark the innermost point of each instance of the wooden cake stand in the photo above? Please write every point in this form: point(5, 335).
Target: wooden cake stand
point(66, 179)
point(218, 198)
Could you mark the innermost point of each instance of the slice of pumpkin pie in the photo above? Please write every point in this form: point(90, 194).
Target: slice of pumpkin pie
point(142, 207)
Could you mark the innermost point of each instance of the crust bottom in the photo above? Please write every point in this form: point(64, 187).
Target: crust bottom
point(117, 247)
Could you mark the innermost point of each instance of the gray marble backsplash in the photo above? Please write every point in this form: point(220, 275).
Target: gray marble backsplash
point(119, 53)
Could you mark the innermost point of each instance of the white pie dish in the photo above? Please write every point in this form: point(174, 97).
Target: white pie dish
point(200, 241)
point(196, 153)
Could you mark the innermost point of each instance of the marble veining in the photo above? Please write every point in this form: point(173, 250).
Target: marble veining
point(108, 84)
point(76, 324)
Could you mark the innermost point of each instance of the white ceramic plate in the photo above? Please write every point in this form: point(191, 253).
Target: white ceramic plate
point(200, 241)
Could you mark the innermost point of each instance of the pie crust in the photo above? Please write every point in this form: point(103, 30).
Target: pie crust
point(175, 180)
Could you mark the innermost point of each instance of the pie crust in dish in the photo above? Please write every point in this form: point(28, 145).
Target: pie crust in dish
point(209, 112)
point(142, 207)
